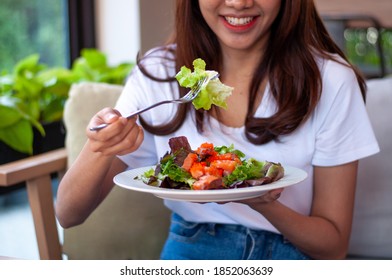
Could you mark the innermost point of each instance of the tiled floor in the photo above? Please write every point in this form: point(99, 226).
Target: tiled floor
point(17, 236)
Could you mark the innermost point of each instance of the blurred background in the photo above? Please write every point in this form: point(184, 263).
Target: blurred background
point(59, 29)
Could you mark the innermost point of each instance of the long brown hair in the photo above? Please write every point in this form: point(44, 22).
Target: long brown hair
point(298, 36)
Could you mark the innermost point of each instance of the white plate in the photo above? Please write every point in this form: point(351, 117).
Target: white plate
point(127, 180)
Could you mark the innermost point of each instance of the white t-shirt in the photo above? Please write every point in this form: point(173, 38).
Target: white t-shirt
point(337, 132)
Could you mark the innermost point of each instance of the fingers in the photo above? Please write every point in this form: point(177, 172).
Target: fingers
point(125, 142)
point(272, 195)
point(268, 197)
point(275, 194)
point(122, 136)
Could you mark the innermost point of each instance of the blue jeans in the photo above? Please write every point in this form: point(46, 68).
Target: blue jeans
point(208, 241)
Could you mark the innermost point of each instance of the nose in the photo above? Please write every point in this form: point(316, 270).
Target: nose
point(239, 4)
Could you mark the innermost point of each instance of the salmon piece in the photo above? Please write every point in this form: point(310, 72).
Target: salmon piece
point(207, 182)
point(212, 170)
point(189, 161)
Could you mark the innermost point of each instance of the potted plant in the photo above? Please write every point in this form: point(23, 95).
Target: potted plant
point(33, 95)
point(32, 100)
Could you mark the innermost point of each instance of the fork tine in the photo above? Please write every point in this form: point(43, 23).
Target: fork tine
point(195, 91)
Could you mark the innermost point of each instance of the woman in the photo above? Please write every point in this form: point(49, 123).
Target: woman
point(296, 101)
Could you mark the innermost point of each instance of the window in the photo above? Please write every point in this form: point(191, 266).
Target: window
point(55, 29)
point(365, 41)
point(81, 18)
point(28, 27)
point(370, 48)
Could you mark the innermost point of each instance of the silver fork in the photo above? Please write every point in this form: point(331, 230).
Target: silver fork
point(191, 95)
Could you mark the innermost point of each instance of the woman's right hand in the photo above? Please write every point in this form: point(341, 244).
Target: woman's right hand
point(121, 137)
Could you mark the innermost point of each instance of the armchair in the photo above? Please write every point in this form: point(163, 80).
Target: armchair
point(36, 172)
point(127, 225)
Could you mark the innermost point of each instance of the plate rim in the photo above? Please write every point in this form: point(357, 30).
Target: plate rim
point(206, 195)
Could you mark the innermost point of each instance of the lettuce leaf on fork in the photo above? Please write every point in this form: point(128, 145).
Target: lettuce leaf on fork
point(212, 93)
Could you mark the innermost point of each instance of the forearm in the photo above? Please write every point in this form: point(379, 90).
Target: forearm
point(315, 236)
point(82, 187)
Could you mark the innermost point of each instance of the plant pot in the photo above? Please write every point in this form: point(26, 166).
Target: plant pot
point(54, 139)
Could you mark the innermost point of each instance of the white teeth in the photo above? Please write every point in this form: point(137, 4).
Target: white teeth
point(238, 21)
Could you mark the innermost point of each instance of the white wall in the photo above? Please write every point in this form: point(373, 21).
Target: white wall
point(118, 29)
point(125, 27)
point(156, 22)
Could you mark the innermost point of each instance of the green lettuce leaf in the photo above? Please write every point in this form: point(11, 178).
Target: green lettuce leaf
point(212, 93)
point(173, 171)
point(250, 169)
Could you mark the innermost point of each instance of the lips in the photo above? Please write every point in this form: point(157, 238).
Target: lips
point(239, 24)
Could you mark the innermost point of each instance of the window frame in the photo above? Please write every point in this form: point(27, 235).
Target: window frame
point(82, 30)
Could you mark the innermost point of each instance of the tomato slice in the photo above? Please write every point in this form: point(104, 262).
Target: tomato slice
point(197, 169)
point(226, 156)
point(226, 165)
point(206, 149)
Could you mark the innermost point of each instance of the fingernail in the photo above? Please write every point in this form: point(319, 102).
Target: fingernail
point(112, 116)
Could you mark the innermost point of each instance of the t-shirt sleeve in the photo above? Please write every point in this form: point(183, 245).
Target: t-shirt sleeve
point(344, 132)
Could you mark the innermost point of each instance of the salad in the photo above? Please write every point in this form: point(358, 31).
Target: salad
point(209, 167)
point(213, 93)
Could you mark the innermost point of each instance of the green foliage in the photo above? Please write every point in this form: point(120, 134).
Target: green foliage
point(362, 49)
point(37, 26)
point(93, 66)
point(33, 93)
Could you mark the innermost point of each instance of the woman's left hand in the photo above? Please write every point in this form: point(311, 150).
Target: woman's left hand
point(268, 197)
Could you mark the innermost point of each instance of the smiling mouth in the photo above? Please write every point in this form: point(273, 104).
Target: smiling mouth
point(239, 21)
